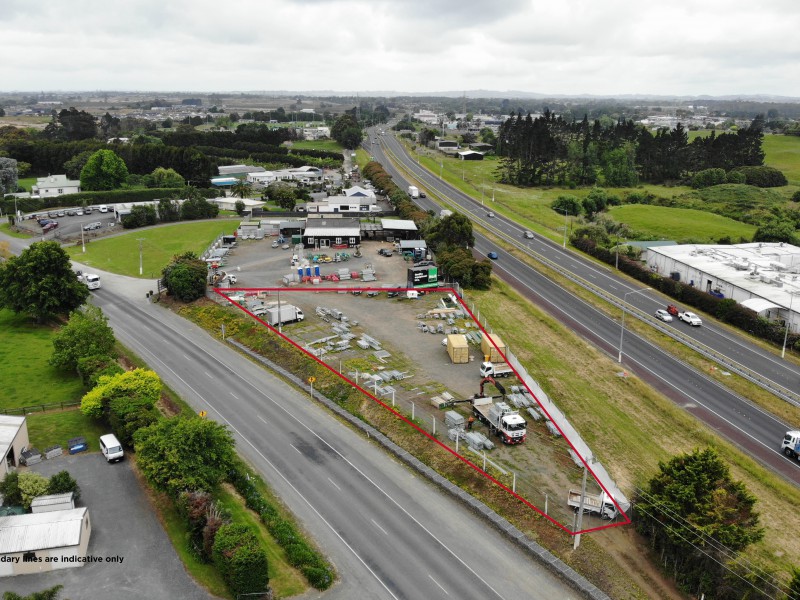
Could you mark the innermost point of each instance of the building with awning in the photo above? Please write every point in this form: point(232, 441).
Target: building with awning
point(762, 276)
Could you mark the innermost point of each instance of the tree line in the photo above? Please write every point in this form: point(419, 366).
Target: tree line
point(550, 150)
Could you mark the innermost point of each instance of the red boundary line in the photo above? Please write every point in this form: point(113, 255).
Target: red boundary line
point(222, 292)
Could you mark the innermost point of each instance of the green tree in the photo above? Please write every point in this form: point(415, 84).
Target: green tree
point(241, 189)
point(619, 167)
point(49, 594)
point(347, 131)
point(777, 231)
point(104, 170)
point(691, 509)
point(169, 210)
point(166, 178)
point(453, 231)
point(140, 384)
point(569, 203)
point(186, 277)
point(9, 489)
point(240, 559)
point(31, 485)
point(8, 175)
point(794, 586)
point(86, 334)
point(239, 206)
point(74, 165)
point(282, 194)
point(63, 483)
point(141, 215)
point(184, 454)
point(40, 282)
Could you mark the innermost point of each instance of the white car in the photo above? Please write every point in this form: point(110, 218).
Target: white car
point(691, 318)
point(275, 244)
point(663, 315)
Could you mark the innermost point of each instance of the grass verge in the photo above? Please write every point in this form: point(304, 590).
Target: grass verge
point(57, 428)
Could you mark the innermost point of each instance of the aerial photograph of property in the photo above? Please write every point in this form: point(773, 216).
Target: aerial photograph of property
point(369, 301)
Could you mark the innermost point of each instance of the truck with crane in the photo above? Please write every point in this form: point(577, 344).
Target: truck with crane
point(502, 420)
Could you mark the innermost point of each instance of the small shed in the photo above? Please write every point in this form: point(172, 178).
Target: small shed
point(470, 155)
point(492, 353)
point(13, 440)
point(457, 348)
point(45, 541)
point(53, 502)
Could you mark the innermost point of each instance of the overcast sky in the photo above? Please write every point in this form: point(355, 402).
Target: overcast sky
point(603, 47)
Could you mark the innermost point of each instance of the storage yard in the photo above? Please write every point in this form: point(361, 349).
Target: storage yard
point(425, 356)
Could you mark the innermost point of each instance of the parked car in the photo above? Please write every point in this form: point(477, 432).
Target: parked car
point(393, 294)
point(103, 208)
point(43, 222)
point(425, 263)
point(71, 212)
point(663, 315)
point(493, 255)
point(62, 213)
point(79, 212)
point(372, 294)
point(50, 226)
point(385, 252)
point(91, 226)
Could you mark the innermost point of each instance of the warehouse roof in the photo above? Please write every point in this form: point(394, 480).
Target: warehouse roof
point(398, 224)
point(40, 531)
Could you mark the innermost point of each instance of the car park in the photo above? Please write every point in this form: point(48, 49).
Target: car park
point(62, 213)
point(43, 222)
point(72, 212)
point(493, 255)
point(663, 315)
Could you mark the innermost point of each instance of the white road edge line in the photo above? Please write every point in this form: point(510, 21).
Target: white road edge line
point(439, 584)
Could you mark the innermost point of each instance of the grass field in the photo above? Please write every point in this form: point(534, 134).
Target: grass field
point(26, 183)
point(680, 224)
point(120, 254)
point(58, 427)
point(783, 153)
point(28, 380)
point(329, 145)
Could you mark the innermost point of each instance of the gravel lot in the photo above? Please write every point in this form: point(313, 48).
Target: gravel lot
point(124, 524)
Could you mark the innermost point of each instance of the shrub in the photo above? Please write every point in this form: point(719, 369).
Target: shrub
point(736, 177)
point(763, 177)
point(32, 485)
point(90, 368)
point(63, 483)
point(709, 177)
point(240, 559)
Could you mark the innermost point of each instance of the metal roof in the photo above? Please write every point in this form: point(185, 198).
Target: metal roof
point(41, 531)
point(413, 244)
point(51, 499)
point(313, 231)
point(396, 224)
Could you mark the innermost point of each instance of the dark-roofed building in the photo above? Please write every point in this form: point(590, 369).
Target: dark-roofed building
point(399, 229)
point(470, 155)
point(332, 233)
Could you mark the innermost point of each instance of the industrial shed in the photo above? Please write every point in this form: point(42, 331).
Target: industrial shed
point(28, 541)
point(13, 439)
point(399, 229)
point(470, 155)
point(332, 233)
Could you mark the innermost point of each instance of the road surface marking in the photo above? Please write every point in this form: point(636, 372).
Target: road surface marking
point(379, 527)
point(234, 395)
point(209, 375)
point(295, 447)
point(439, 584)
point(333, 483)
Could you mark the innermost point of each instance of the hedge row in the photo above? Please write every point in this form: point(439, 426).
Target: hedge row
point(240, 559)
point(311, 564)
point(92, 198)
point(724, 309)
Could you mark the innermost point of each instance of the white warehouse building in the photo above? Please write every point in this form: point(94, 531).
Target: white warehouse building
point(761, 276)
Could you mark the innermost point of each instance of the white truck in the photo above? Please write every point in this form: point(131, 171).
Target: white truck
point(502, 420)
point(599, 504)
point(690, 318)
point(791, 444)
point(91, 280)
point(489, 369)
point(413, 191)
point(445, 213)
point(286, 313)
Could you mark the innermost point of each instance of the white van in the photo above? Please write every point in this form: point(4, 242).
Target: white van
point(92, 281)
point(103, 208)
point(110, 447)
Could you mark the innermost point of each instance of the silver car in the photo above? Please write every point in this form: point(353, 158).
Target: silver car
point(663, 315)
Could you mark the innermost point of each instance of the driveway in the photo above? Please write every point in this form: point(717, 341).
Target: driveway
point(123, 525)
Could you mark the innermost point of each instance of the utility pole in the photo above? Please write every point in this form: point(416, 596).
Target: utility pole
point(140, 240)
point(579, 524)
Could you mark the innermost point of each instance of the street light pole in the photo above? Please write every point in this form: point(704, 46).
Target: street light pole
point(140, 240)
point(788, 323)
point(622, 328)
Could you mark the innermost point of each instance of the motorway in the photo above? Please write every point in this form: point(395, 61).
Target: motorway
point(389, 533)
point(756, 431)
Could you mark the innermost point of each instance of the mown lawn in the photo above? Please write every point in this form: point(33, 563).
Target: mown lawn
point(27, 379)
point(329, 145)
point(783, 153)
point(26, 182)
point(58, 427)
point(683, 225)
point(120, 254)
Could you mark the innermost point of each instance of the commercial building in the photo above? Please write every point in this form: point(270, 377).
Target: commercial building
point(760, 276)
point(332, 233)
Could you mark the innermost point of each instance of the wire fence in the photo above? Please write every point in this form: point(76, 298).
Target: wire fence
point(34, 408)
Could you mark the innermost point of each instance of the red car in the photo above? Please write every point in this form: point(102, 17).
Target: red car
point(672, 309)
point(49, 226)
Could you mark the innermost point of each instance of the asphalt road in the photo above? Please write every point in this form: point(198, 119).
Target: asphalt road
point(390, 534)
point(756, 431)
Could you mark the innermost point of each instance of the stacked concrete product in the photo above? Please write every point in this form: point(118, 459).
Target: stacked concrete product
point(453, 419)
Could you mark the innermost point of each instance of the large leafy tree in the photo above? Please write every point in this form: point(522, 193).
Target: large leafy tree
point(165, 178)
point(186, 277)
point(283, 195)
point(454, 230)
point(71, 125)
point(40, 282)
point(184, 454)
point(86, 334)
point(8, 175)
point(74, 165)
point(347, 131)
point(697, 516)
point(103, 171)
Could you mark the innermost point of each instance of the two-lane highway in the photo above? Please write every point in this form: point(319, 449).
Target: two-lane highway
point(758, 432)
point(390, 534)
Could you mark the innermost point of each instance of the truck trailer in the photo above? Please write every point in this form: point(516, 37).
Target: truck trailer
point(599, 504)
point(413, 191)
point(490, 369)
point(791, 444)
point(502, 420)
